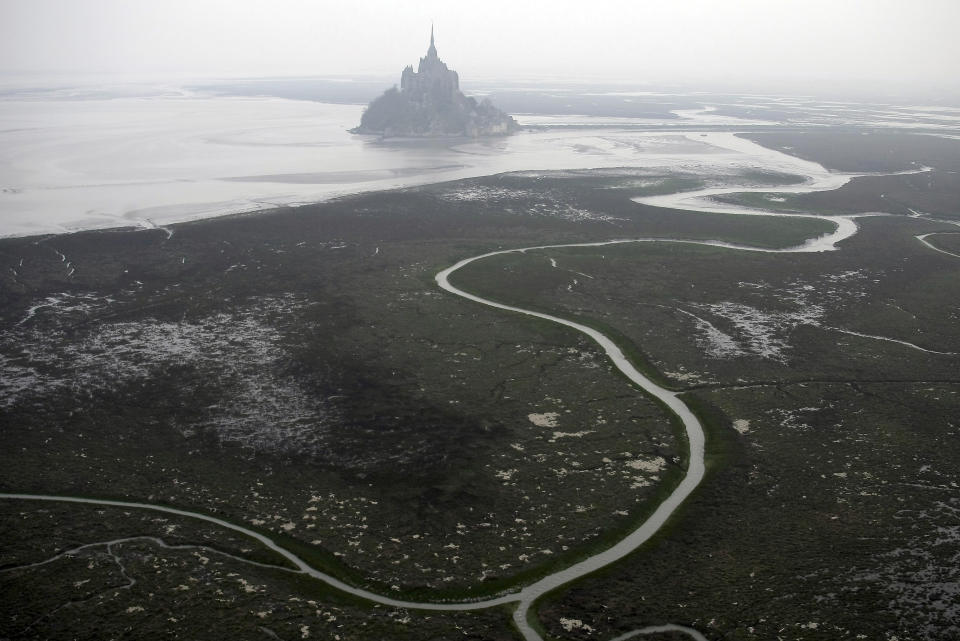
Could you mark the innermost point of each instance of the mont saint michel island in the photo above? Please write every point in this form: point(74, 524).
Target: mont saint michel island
point(429, 103)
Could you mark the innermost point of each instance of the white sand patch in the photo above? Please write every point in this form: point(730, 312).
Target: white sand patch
point(741, 425)
point(569, 213)
point(246, 586)
point(260, 406)
point(485, 194)
point(684, 377)
point(579, 434)
point(547, 419)
point(505, 475)
point(652, 466)
point(761, 333)
point(574, 624)
point(713, 341)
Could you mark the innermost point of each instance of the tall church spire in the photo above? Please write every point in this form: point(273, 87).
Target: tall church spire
point(432, 51)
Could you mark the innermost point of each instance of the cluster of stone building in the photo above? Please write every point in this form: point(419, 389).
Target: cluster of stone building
point(430, 103)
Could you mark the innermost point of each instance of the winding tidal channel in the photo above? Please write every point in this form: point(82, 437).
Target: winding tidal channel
point(818, 179)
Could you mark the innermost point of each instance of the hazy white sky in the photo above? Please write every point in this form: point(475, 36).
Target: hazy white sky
point(871, 43)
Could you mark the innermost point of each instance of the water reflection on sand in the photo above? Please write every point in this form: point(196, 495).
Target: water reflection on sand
point(68, 164)
point(76, 164)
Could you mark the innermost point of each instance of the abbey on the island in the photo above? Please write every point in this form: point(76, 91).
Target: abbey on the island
point(432, 75)
point(430, 103)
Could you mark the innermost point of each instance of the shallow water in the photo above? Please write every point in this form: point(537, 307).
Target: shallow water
point(87, 164)
point(68, 163)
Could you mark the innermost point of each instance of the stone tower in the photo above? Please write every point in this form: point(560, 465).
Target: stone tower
point(432, 78)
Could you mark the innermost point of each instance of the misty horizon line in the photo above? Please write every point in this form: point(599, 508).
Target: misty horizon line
point(821, 89)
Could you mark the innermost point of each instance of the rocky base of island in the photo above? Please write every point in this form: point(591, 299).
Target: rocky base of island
point(398, 114)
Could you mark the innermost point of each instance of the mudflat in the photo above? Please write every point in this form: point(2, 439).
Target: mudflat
point(299, 371)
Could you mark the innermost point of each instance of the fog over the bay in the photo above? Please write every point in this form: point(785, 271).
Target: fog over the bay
point(886, 45)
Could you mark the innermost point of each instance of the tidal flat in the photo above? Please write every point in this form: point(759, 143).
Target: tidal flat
point(298, 371)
